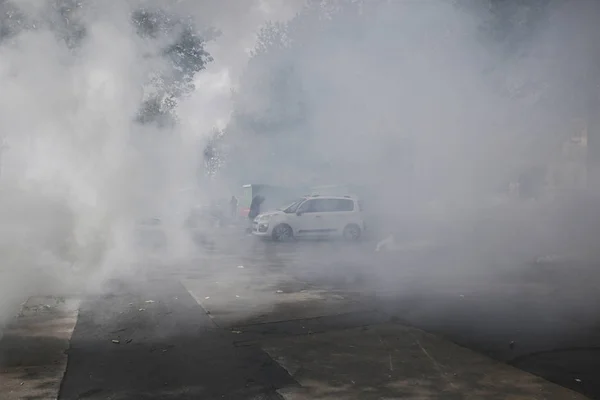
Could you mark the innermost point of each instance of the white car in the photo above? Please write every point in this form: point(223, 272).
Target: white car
point(313, 216)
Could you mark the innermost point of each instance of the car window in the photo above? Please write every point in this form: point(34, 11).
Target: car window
point(332, 205)
point(345, 205)
point(325, 205)
point(308, 206)
point(292, 208)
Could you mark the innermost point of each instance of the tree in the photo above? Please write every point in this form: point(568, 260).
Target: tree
point(12, 20)
point(214, 153)
point(513, 22)
point(61, 17)
point(186, 56)
point(66, 21)
point(179, 41)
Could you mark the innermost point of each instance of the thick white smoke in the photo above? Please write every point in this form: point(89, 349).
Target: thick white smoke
point(438, 107)
point(78, 171)
point(410, 98)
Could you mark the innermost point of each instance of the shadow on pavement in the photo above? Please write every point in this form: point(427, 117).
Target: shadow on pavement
point(151, 340)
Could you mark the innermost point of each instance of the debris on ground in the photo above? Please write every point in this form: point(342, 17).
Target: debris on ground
point(142, 309)
point(555, 259)
point(116, 341)
point(279, 291)
point(577, 380)
point(237, 296)
point(207, 297)
point(390, 244)
point(236, 332)
point(240, 266)
point(149, 301)
point(128, 341)
point(385, 243)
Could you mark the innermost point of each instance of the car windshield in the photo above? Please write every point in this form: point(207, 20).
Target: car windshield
point(293, 207)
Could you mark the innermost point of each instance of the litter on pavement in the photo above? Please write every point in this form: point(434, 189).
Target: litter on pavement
point(240, 266)
point(116, 341)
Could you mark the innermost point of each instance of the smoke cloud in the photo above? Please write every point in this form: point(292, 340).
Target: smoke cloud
point(440, 108)
point(430, 105)
point(81, 167)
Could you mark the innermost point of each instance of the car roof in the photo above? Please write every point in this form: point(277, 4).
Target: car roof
point(316, 196)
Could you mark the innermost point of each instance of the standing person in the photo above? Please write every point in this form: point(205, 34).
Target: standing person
point(255, 206)
point(233, 207)
point(254, 209)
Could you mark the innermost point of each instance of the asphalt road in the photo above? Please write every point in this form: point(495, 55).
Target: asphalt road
point(150, 339)
point(542, 318)
point(173, 331)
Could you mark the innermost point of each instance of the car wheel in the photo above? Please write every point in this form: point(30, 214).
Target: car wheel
point(283, 233)
point(352, 232)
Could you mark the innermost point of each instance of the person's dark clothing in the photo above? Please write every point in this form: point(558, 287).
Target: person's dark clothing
point(255, 206)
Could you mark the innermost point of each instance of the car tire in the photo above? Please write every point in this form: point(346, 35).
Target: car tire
point(282, 233)
point(352, 232)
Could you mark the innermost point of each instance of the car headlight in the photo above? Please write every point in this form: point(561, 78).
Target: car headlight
point(264, 218)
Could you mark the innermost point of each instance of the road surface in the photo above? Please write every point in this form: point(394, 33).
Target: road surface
point(254, 320)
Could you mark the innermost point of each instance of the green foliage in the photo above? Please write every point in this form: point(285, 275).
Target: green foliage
point(186, 56)
point(62, 18)
point(66, 21)
point(12, 21)
point(512, 23)
point(214, 154)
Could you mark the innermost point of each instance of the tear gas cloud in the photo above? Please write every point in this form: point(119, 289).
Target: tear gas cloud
point(435, 106)
point(79, 169)
point(415, 100)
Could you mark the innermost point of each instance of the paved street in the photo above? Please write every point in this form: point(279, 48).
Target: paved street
point(255, 320)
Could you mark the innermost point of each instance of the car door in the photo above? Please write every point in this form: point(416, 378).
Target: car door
point(336, 213)
point(328, 218)
point(344, 214)
point(309, 222)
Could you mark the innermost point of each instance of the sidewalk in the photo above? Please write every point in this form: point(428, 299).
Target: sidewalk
point(33, 348)
point(392, 361)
